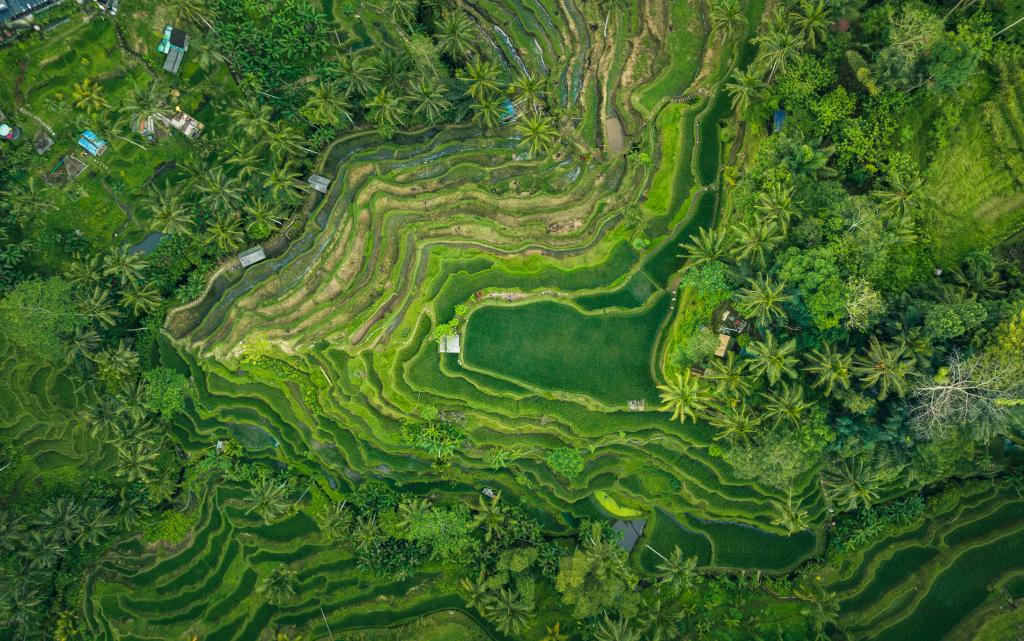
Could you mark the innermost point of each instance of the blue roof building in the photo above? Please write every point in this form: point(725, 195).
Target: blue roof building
point(778, 120)
point(174, 44)
point(92, 143)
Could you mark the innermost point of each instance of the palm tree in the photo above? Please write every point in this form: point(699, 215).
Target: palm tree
point(43, 549)
point(246, 158)
point(429, 98)
point(885, 366)
point(487, 111)
point(476, 591)
point(849, 484)
point(207, 54)
point(281, 182)
point(278, 586)
point(777, 48)
point(762, 300)
point(393, 66)
point(168, 213)
point(283, 139)
point(508, 611)
point(63, 519)
point(118, 362)
point(225, 233)
point(359, 74)
point(412, 512)
point(141, 300)
point(615, 630)
point(675, 569)
point(251, 118)
point(194, 11)
point(772, 359)
point(262, 219)
point(85, 272)
point(734, 422)
point(387, 109)
point(727, 17)
point(366, 534)
point(903, 196)
point(830, 366)
point(777, 202)
point(744, 89)
point(528, 92)
point(96, 524)
point(729, 376)
point(87, 95)
point(482, 78)
point(20, 606)
point(327, 105)
point(490, 515)
point(144, 102)
point(812, 21)
point(755, 242)
point(335, 520)
point(455, 35)
point(125, 266)
point(100, 308)
point(82, 344)
point(401, 13)
point(136, 463)
point(269, 498)
point(683, 397)
point(219, 192)
point(786, 405)
point(554, 633)
point(790, 516)
point(710, 244)
point(824, 607)
point(538, 134)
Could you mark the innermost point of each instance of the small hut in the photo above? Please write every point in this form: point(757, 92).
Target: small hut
point(92, 143)
point(449, 344)
point(319, 183)
point(251, 256)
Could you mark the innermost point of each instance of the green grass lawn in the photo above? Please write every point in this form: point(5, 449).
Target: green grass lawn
point(553, 346)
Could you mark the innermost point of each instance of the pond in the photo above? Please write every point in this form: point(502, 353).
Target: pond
point(148, 244)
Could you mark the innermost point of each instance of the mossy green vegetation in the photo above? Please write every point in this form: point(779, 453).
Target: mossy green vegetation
point(752, 371)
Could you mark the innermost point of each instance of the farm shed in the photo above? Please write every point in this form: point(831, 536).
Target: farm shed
point(449, 344)
point(92, 143)
point(251, 256)
point(319, 183)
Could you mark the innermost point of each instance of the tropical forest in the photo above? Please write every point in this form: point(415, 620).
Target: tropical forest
point(512, 320)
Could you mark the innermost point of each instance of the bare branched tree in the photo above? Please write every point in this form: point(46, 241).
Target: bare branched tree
point(978, 389)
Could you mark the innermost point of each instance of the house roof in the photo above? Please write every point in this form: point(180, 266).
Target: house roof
point(449, 344)
point(92, 143)
point(319, 183)
point(251, 256)
point(173, 60)
point(11, 9)
point(178, 38)
point(724, 340)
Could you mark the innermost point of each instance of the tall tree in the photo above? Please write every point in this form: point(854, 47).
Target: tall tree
point(683, 397)
point(885, 367)
point(456, 35)
point(482, 79)
point(710, 244)
point(772, 359)
point(830, 366)
point(168, 214)
point(727, 18)
point(812, 20)
point(537, 134)
point(744, 88)
point(762, 300)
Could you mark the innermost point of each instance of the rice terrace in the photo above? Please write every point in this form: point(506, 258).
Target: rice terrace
point(540, 320)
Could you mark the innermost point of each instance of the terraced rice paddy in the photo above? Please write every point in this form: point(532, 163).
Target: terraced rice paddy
point(920, 584)
point(564, 325)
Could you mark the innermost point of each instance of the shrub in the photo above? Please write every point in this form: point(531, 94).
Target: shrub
point(566, 461)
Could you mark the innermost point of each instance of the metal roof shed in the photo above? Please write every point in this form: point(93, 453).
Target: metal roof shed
point(449, 344)
point(173, 61)
point(251, 256)
point(319, 183)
